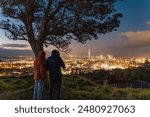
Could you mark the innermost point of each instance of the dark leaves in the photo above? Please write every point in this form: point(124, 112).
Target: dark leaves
point(65, 20)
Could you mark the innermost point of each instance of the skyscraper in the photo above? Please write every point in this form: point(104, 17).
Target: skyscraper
point(89, 54)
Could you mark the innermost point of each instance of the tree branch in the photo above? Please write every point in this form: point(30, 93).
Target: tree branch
point(29, 20)
point(56, 10)
point(66, 50)
point(44, 22)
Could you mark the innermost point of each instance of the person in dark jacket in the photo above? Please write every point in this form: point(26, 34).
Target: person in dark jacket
point(53, 64)
point(39, 75)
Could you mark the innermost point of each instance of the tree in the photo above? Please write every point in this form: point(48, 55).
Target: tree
point(57, 22)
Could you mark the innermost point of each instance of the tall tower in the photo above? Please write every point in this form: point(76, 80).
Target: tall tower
point(89, 54)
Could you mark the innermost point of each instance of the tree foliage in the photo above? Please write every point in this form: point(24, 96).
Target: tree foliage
point(57, 22)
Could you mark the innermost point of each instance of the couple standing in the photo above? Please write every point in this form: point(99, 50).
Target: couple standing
point(53, 64)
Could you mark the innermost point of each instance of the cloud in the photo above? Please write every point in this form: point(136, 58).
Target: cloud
point(15, 46)
point(148, 22)
point(132, 44)
point(10, 49)
point(8, 52)
point(138, 39)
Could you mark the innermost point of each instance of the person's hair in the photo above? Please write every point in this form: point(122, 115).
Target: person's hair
point(55, 53)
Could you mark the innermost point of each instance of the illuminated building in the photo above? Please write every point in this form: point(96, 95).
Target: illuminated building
point(89, 54)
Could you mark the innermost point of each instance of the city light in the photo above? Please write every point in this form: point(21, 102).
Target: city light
point(74, 64)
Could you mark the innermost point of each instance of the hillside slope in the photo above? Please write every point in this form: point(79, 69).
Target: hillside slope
point(74, 87)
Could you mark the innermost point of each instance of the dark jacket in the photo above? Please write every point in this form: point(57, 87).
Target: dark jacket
point(54, 63)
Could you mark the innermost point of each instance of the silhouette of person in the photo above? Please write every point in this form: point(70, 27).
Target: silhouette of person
point(53, 64)
point(39, 75)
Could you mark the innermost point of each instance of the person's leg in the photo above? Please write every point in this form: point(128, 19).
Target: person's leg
point(58, 87)
point(40, 89)
point(35, 90)
point(51, 88)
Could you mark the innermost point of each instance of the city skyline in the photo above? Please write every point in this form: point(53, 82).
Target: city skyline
point(74, 65)
point(131, 39)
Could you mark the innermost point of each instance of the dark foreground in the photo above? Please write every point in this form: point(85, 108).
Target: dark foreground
point(74, 87)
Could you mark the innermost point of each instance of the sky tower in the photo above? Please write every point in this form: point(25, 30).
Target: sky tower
point(89, 54)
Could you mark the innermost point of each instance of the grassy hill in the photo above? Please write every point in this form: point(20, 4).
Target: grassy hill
point(74, 87)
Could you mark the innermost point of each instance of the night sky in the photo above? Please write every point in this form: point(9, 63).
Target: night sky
point(131, 39)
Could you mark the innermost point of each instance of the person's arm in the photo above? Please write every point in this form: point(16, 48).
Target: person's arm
point(46, 64)
point(43, 71)
point(34, 67)
point(62, 63)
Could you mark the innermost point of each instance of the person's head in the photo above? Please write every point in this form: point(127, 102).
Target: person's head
point(55, 53)
point(41, 54)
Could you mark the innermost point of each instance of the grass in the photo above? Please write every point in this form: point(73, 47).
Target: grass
point(74, 87)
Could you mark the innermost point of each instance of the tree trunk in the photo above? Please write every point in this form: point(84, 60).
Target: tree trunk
point(36, 46)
